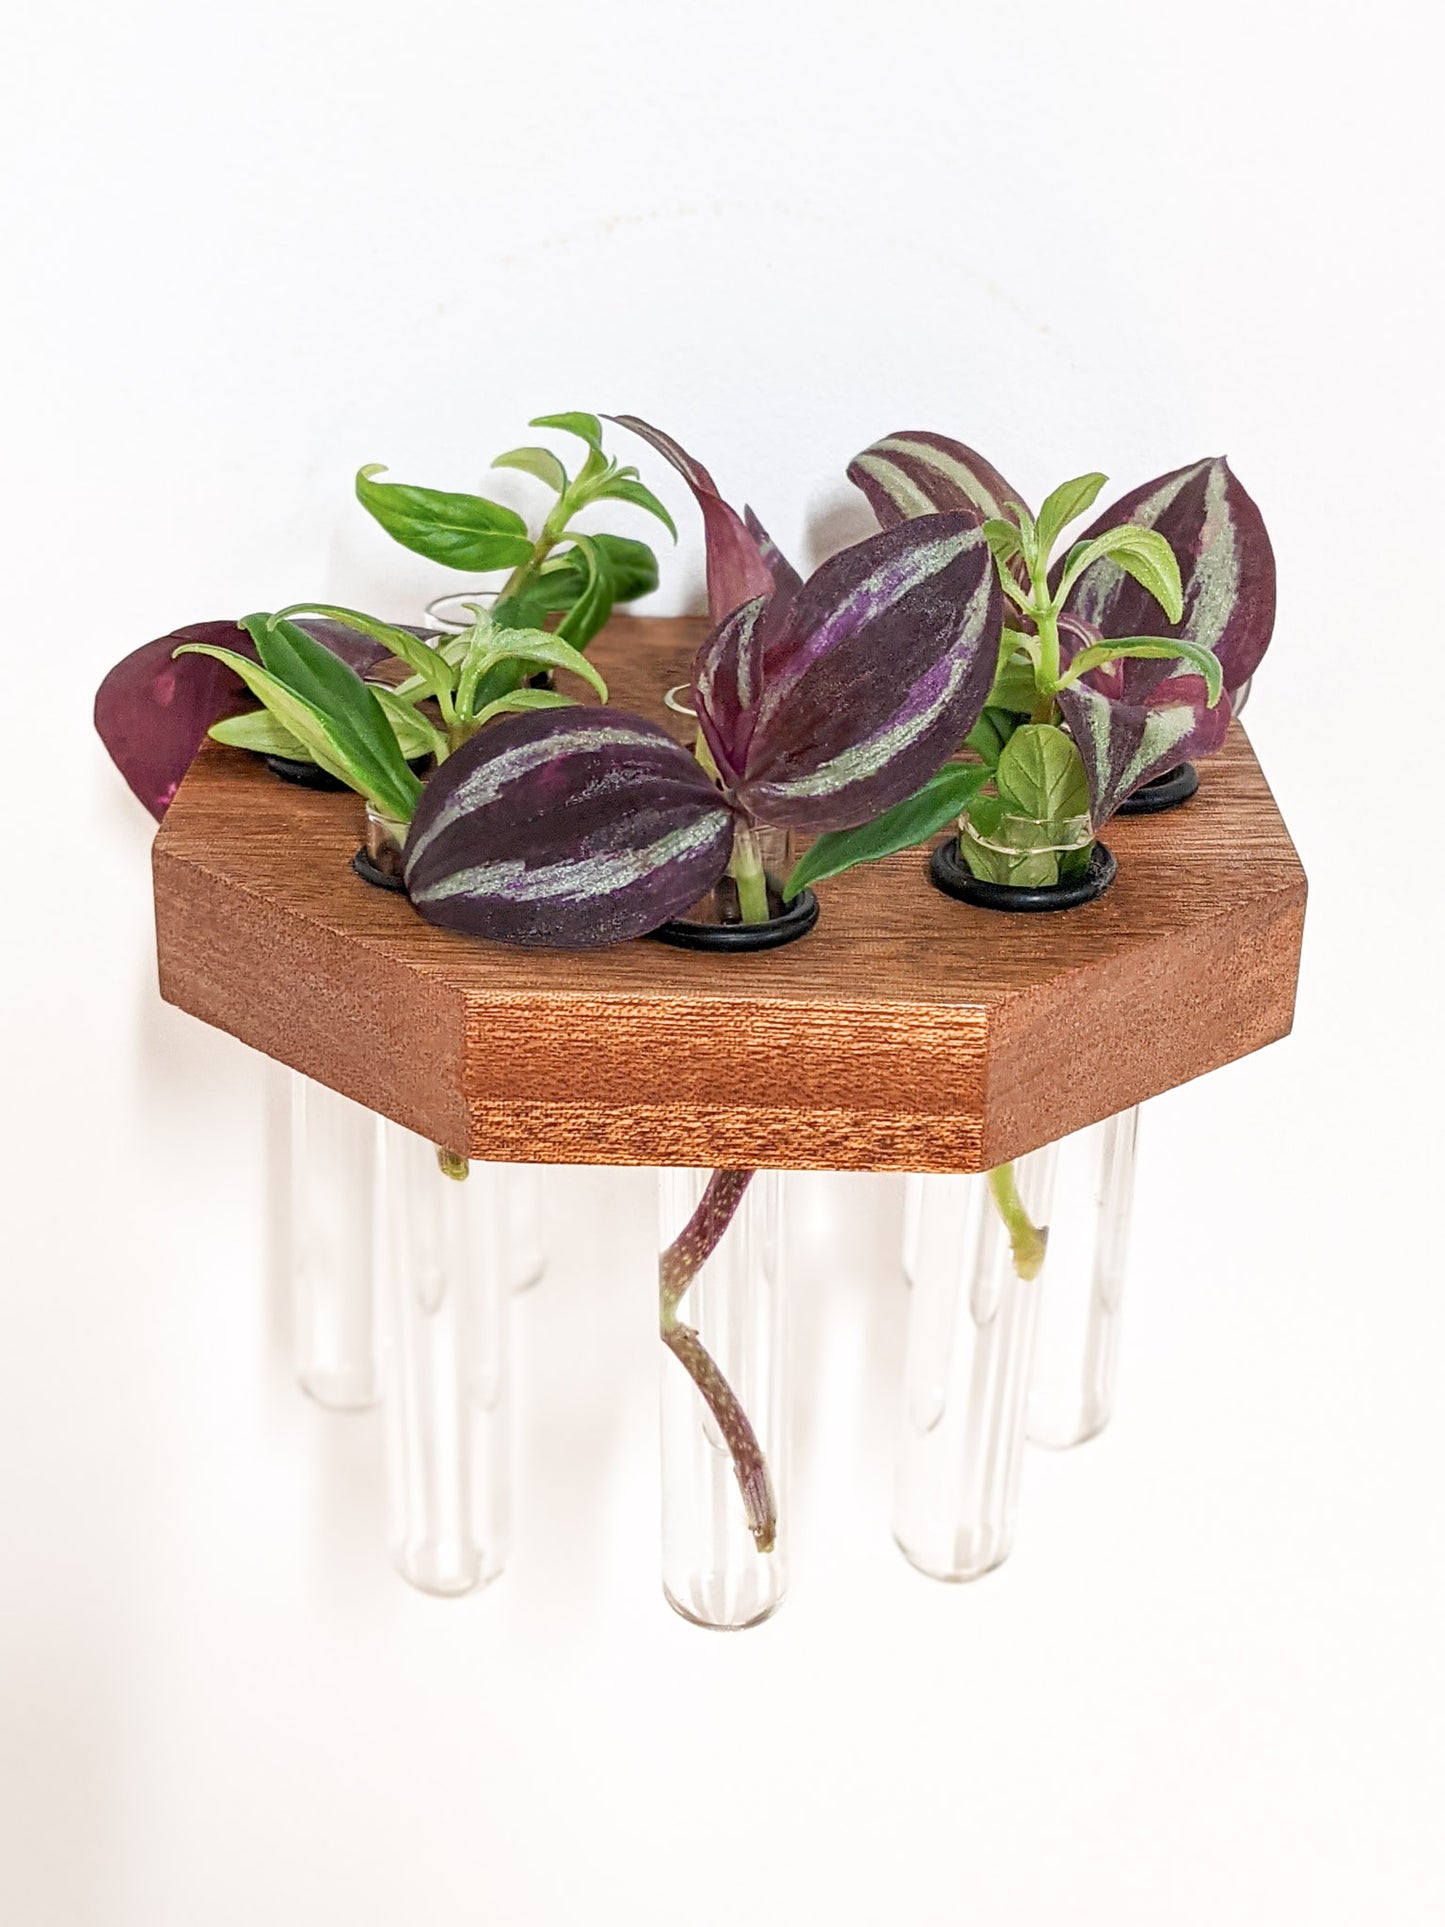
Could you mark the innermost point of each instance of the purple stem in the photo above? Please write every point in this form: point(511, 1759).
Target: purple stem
point(678, 1265)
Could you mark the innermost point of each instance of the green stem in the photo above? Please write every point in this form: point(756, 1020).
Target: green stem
point(745, 867)
point(1027, 1240)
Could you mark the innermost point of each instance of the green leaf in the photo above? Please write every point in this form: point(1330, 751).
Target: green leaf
point(594, 603)
point(623, 488)
point(1015, 686)
point(1041, 774)
point(520, 699)
point(586, 427)
point(1066, 504)
point(259, 731)
point(305, 723)
point(460, 531)
point(353, 716)
point(533, 648)
point(415, 734)
point(1004, 539)
point(1143, 553)
point(1151, 648)
point(943, 797)
point(419, 655)
point(989, 734)
point(540, 462)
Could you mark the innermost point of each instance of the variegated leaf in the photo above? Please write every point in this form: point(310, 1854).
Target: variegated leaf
point(863, 684)
point(736, 569)
point(572, 828)
point(916, 472)
point(1126, 743)
point(1226, 569)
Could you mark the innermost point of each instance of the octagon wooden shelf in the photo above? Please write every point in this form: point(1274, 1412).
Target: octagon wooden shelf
point(908, 1032)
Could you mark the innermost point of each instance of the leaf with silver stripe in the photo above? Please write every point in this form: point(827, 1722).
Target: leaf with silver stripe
point(1126, 744)
point(1226, 568)
point(870, 678)
point(573, 829)
point(916, 472)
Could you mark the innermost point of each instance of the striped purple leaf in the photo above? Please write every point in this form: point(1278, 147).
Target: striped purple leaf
point(916, 472)
point(737, 569)
point(827, 708)
point(570, 828)
point(1127, 741)
point(153, 709)
point(1226, 566)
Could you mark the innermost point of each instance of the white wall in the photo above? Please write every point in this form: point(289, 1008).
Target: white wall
point(244, 250)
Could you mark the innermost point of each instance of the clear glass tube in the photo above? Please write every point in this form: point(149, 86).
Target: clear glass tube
point(971, 1318)
point(1077, 1347)
point(912, 1219)
point(724, 1554)
point(333, 1182)
point(444, 1366)
point(523, 1193)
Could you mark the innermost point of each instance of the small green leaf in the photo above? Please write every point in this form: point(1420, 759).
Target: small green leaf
point(415, 735)
point(420, 656)
point(1015, 686)
point(586, 427)
point(521, 699)
point(540, 462)
point(1066, 504)
point(623, 489)
point(989, 734)
point(943, 797)
point(300, 720)
point(1155, 649)
point(1041, 774)
point(1143, 553)
point(259, 731)
point(460, 531)
point(1004, 539)
point(352, 715)
point(594, 604)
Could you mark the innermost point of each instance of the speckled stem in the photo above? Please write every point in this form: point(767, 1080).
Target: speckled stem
point(678, 1265)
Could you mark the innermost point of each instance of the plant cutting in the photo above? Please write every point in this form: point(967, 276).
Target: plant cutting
point(156, 706)
point(559, 571)
point(361, 732)
point(1131, 648)
point(818, 707)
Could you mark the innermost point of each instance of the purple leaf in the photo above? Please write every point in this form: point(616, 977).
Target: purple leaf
point(786, 580)
point(916, 472)
point(736, 569)
point(152, 712)
point(827, 709)
point(727, 680)
point(573, 828)
point(1127, 742)
point(1226, 566)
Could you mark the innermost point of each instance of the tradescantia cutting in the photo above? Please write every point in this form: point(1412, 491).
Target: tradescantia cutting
point(820, 704)
point(154, 709)
point(1120, 659)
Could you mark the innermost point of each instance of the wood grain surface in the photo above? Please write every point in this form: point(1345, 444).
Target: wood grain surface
point(907, 1032)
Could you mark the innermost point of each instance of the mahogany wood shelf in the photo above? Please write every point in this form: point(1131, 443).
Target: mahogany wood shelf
point(908, 1032)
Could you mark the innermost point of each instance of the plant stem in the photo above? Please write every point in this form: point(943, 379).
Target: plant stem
point(1027, 1240)
point(678, 1265)
point(745, 867)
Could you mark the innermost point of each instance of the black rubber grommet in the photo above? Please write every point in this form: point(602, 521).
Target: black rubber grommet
point(1166, 792)
point(306, 776)
point(730, 938)
point(311, 776)
point(948, 872)
point(378, 879)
